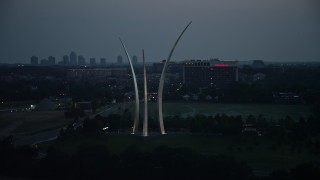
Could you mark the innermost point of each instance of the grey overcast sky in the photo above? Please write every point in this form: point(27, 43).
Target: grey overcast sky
point(272, 30)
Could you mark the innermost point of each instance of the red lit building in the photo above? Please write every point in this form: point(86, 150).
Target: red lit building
point(204, 73)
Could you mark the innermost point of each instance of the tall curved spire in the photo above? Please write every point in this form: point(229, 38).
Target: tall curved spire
point(161, 84)
point(145, 117)
point(136, 114)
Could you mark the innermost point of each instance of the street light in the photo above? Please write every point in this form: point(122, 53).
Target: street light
point(105, 128)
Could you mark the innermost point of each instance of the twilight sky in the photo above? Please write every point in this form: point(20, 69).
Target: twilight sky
point(272, 30)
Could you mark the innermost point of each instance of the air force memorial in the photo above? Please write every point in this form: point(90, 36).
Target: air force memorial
point(160, 90)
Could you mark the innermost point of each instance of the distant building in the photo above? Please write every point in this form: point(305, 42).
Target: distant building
point(224, 73)
point(135, 60)
point(73, 58)
point(157, 67)
point(258, 64)
point(119, 59)
point(45, 105)
point(204, 73)
point(34, 60)
point(51, 60)
point(81, 60)
point(103, 61)
point(286, 98)
point(109, 76)
point(96, 73)
point(65, 60)
point(92, 61)
point(197, 74)
point(173, 67)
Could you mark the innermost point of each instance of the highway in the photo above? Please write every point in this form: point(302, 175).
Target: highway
point(53, 134)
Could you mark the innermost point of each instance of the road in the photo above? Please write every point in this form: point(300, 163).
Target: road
point(53, 134)
point(37, 138)
point(107, 110)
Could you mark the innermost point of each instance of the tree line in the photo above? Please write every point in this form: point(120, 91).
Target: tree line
point(219, 124)
point(93, 161)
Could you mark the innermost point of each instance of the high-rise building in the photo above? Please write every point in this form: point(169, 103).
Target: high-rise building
point(81, 60)
point(73, 58)
point(103, 61)
point(34, 60)
point(119, 59)
point(201, 74)
point(224, 73)
point(65, 60)
point(51, 60)
point(135, 60)
point(197, 74)
point(92, 61)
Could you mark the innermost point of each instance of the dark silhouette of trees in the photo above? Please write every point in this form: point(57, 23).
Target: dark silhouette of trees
point(17, 161)
point(303, 171)
point(220, 124)
point(306, 171)
point(55, 164)
point(91, 162)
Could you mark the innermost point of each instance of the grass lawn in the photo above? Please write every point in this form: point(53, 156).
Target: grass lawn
point(259, 153)
point(269, 111)
point(31, 122)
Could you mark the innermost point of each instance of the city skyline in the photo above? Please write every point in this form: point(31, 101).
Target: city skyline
point(79, 60)
point(104, 62)
point(285, 30)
